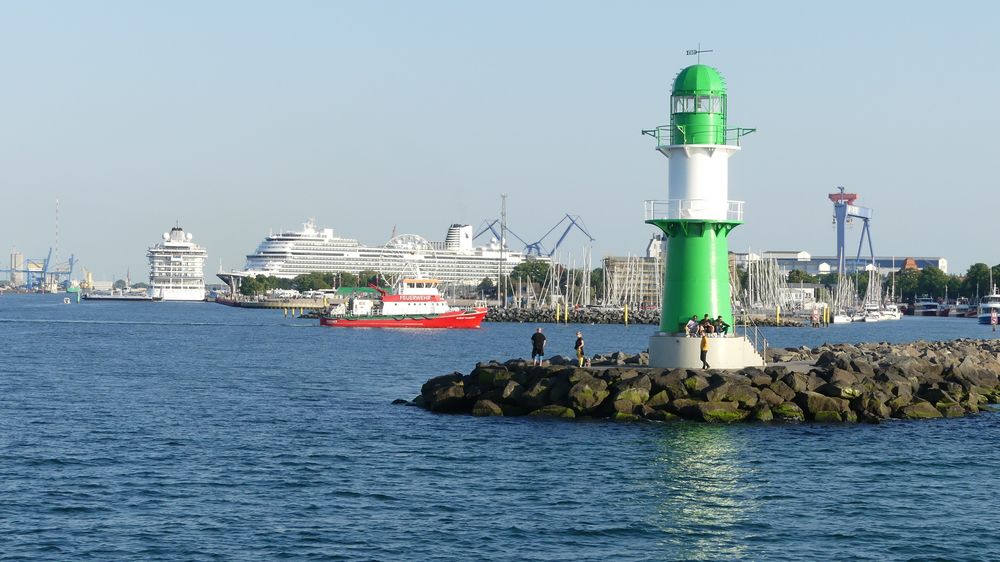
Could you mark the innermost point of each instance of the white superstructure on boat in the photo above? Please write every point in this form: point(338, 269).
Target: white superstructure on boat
point(454, 261)
point(177, 268)
point(925, 306)
point(989, 307)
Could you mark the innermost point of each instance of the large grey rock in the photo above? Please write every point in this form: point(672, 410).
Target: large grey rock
point(744, 394)
point(839, 390)
point(671, 381)
point(536, 396)
point(445, 394)
point(783, 390)
point(814, 402)
point(771, 398)
point(796, 381)
point(935, 395)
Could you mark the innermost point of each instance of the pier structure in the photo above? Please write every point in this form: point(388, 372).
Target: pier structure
point(696, 222)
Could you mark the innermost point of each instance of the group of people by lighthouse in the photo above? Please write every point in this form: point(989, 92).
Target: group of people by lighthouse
point(706, 327)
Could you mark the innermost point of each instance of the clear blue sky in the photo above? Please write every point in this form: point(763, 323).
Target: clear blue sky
point(235, 118)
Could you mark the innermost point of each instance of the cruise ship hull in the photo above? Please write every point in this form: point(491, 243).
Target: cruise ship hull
point(178, 294)
point(451, 319)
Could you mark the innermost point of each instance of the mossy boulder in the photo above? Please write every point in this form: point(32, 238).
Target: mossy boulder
point(950, 409)
point(635, 395)
point(554, 411)
point(495, 377)
point(694, 384)
point(587, 394)
point(828, 417)
point(672, 381)
point(661, 415)
point(625, 417)
point(485, 408)
point(788, 411)
point(919, 411)
point(659, 400)
point(762, 413)
point(721, 412)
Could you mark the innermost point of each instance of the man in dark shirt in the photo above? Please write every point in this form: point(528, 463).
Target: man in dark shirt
point(537, 346)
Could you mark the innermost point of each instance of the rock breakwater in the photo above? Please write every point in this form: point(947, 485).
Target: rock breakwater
point(831, 383)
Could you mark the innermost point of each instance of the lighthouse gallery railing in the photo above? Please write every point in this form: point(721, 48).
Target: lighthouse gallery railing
point(677, 209)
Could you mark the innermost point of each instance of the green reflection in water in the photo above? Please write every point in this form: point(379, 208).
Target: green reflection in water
point(706, 492)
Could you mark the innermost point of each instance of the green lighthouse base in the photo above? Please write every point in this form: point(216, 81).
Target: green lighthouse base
point(677, 351)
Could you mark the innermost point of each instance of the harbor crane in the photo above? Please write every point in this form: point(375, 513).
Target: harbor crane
point(844, 210)
point(538, 248)
point(42, 274)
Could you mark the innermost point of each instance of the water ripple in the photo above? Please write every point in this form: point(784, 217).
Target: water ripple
point(206, 432)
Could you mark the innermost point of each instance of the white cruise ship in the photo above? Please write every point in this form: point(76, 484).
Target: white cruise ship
point(177, 268)
point(453, 261)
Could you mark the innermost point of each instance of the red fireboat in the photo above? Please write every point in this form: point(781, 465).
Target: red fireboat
point(416, 303)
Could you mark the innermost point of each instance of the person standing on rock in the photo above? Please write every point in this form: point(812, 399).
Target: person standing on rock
point(579, 348)
point(537, 346)
point(704, 352)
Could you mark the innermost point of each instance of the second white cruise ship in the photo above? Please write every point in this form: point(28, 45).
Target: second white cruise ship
point(177, 268)
point(453, 261)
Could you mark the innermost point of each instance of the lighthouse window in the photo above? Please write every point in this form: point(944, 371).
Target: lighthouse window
point(683, 104)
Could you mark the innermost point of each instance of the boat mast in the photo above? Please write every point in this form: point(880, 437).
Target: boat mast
point(503, 235)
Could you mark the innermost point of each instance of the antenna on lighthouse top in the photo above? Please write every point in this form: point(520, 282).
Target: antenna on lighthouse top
point(698, 52)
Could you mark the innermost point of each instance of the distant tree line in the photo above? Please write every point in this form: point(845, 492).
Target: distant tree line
point(909, 283)
point(314, 281)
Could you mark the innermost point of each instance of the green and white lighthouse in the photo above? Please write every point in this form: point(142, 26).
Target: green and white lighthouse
point(696, 221)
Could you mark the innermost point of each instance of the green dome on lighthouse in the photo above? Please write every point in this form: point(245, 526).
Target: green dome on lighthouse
point(698, 107)
point(699, 79)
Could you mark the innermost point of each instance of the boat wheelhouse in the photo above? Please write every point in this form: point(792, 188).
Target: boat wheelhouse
point(989, 307)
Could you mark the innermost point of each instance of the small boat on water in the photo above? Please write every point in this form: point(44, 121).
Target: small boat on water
point(126, 294)
point(989, 307)
point(416, 303)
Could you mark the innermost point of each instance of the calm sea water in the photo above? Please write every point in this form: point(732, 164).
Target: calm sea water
point(173, 431)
